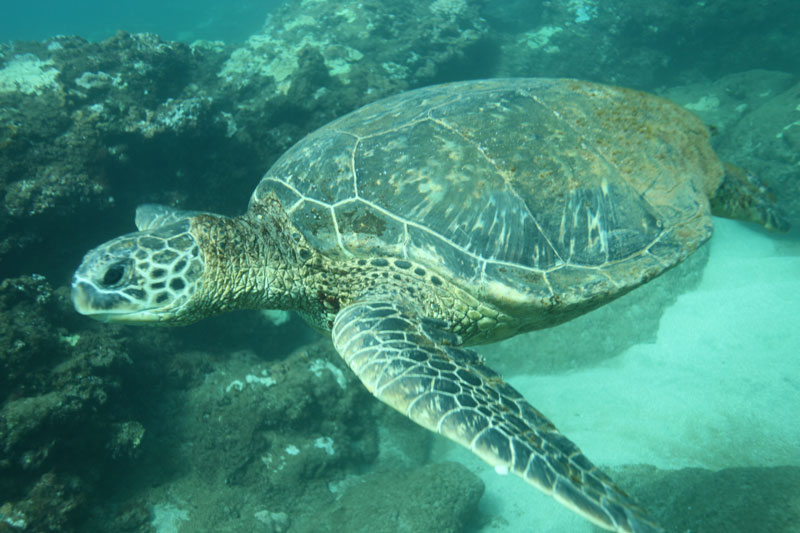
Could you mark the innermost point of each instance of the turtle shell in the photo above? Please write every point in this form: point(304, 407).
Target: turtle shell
point(528, 193)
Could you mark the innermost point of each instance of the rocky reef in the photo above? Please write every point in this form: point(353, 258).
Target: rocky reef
point(643, 45)
point(92, 129)
point(268, 430)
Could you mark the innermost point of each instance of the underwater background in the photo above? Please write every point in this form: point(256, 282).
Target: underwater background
point(180, 20)
point(686, 391)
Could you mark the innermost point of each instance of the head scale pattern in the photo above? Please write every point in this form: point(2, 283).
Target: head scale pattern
point(144, 276)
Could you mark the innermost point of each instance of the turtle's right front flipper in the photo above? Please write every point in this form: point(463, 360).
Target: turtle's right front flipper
point(413, 365)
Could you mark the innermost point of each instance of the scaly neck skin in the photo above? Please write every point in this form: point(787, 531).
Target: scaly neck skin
point(261, 261)
point(251, 262)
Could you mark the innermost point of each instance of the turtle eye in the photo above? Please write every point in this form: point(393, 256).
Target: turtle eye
point(114, 274)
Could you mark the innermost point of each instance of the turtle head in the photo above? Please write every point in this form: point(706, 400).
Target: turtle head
point(147, 276)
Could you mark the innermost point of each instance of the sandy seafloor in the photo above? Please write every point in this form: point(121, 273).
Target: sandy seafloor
point(719, 388)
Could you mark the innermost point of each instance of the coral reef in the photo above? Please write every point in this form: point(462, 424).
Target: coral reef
point(638, 44)
point(92, 129)
point(426, 39)
point(59, 391)
point(68, 136)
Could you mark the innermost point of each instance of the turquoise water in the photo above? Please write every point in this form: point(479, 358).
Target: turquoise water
point(178, 20)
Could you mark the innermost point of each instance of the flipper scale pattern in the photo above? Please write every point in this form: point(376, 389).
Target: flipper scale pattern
point(415, 366)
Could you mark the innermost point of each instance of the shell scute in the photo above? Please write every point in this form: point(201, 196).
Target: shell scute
point(527, 193)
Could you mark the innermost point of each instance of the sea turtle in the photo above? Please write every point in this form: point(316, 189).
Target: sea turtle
point(444, 217)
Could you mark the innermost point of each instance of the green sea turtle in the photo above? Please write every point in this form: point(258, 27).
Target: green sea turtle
point(444, 217)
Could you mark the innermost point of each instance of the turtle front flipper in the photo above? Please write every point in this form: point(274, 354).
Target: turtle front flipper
point(414, 365)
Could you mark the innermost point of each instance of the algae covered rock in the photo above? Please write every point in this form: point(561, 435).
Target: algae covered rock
point(440, 498)
point(69, 123)
point(641, 44)
point(57, 394)
point(767, 139)
point(91, 129)
point(314, 61)
point(755, 118)
point(351, 40)
point(742, 499)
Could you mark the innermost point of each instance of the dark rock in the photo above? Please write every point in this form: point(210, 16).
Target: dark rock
point(253, 435)
point(308, 404)
point(436, 498)
point(756, 121)
point(732, 500)
point(641, 44)
point(50, 506)
point(767, 141)
point(61, 422)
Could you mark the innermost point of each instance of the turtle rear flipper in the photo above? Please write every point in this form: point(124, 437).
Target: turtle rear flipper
point(447, 389)
point(743, 196)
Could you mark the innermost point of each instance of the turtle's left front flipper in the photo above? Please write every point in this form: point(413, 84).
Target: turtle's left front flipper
point(414, 365)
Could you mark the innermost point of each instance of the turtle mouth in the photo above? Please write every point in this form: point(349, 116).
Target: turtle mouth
point(107, 306)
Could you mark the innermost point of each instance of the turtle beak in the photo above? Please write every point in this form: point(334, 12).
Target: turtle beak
point(80, 296)
point(89, 301)
point(106, 306)
point(92, 297)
